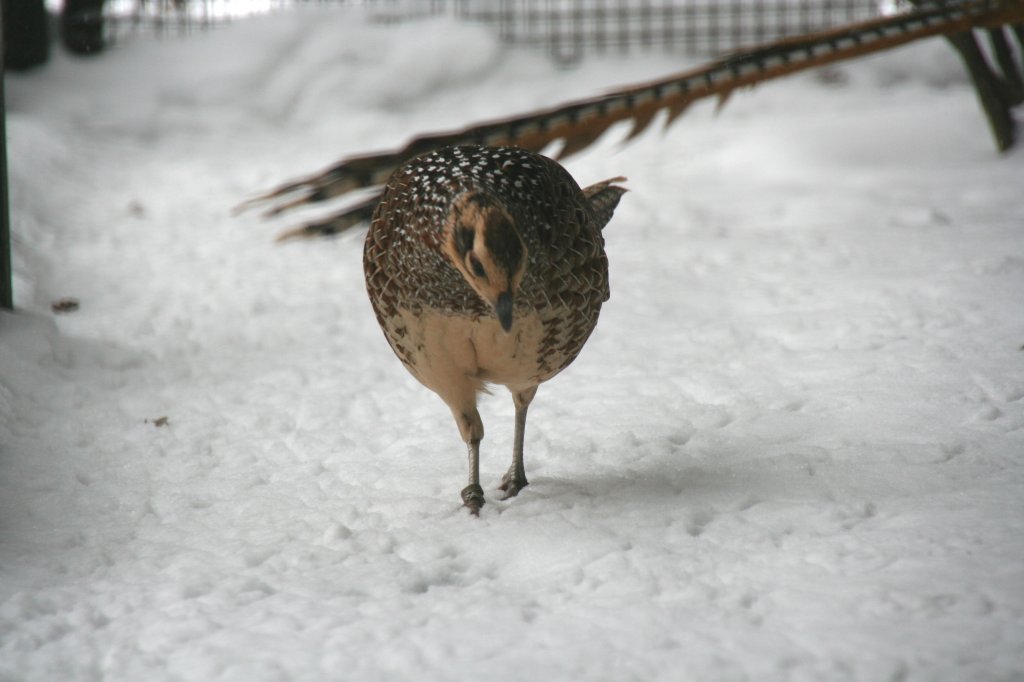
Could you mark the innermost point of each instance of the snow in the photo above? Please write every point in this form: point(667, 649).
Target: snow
point(792, 450)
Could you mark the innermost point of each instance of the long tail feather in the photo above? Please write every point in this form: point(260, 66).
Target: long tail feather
point(336, 224)
point(578, 124)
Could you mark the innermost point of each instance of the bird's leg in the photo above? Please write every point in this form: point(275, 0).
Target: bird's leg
point(473, 494)
point(472, 429)
point(514, 479)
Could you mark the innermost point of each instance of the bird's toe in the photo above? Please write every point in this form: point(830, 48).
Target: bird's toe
point(473, 498)
point(512, 484)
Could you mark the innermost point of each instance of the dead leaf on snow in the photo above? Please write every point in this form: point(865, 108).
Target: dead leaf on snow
point(64, 305)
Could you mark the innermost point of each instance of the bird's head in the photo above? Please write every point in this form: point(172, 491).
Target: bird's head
point(482, 241)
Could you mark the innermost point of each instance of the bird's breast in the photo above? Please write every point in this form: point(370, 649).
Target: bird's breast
point(435, 345)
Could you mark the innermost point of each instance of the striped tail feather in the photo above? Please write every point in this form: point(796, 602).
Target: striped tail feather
point(578, 124)
point(336, 224)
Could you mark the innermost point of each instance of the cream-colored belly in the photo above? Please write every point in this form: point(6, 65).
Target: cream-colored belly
point(450, 353)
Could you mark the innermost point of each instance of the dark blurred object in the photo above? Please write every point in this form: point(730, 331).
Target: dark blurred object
point(26, 34)
point(65, 305)
point(81, 26)
point(6, 277)
point(999, 87)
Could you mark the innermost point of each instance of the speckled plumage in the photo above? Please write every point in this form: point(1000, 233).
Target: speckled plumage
point(436, 316)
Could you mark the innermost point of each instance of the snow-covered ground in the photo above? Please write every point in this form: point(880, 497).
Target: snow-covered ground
point(792, 450)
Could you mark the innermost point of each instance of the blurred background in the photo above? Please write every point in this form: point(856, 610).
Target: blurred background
point(566, 29)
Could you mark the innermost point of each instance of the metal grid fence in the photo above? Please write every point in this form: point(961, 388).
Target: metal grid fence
point(121, 18)
point(567, 29)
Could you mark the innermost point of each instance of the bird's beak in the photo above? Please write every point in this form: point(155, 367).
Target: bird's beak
point(503, 307)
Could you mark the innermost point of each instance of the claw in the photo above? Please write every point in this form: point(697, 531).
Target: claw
point(473, 498)
point(512, 484)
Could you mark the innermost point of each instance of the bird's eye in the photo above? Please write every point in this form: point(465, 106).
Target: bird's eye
point(477, 267)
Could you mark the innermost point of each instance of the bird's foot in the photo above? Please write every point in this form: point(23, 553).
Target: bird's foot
point(473, 498)
point(511, 484)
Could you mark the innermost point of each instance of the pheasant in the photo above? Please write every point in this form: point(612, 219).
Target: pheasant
point(486, 265)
